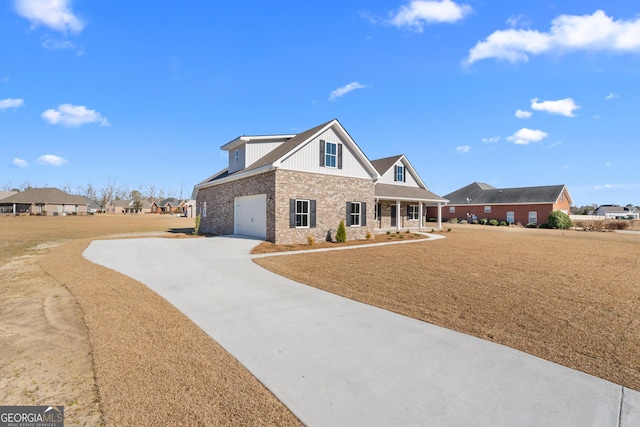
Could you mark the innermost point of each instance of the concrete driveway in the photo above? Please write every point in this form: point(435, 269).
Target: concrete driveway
point(337, 362)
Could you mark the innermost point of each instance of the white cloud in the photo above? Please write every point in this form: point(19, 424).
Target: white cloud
point(606, 186)
point(564, 107)
point(51, 44)
point(463, 149)
point(11, 103)
point(568, 33)
point(55, 14)
point(19, 163)
point(607, 164)
point(521, 114)
point(420, 12)
point(5, 79)
point(73, 116)
point(491, 140)
point(345, 89)
point(51, 160)
point(525, 136)
point(612, 96)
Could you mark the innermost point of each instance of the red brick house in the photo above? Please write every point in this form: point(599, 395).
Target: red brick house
point(522, 205)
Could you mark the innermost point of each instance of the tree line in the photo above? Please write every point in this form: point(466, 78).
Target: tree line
point(112, 191)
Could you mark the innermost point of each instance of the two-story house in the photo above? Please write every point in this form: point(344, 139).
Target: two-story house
point(284, 188)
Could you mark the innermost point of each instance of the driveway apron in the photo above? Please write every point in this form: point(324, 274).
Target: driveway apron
point(336, 362)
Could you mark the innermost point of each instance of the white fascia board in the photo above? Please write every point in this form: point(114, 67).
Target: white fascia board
point(412, 199)
point(373, 172)
point(235, 176)
point(257, 138)
point(414, 173)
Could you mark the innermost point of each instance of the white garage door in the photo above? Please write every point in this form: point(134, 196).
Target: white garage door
point(250, 216)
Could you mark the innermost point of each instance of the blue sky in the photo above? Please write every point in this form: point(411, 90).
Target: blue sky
point(508, 93)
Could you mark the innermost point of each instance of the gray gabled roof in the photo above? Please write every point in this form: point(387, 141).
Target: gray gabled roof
point(383, 165)
point(479, 193)
point(51, 196)
point(284, 148)
point(403, 192)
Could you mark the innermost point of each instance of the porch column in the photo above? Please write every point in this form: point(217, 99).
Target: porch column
point(14, 208)
point(398, 215)
point(420, 211)
point(439, 215)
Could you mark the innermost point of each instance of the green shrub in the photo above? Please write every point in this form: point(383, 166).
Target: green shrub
point(474, 221)
point(483, 221)
point(453, 220)
point(493, 222)
point(341, 234)
point(196, 228)
point(504, 223)
point(559, 219)
point(531, 225)
point(388, 232)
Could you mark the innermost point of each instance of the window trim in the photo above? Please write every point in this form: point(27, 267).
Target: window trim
point(535, 214)
point(356, 215)
point(236, 156)
point(302, 215)
point(511, 214)
point(413, 212)
point(452, 209)
point(400, 173)
point(487, 209)
point(328, 156)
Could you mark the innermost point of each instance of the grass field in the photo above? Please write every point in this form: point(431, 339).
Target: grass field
point(105, 346)
point(566, 296)
point(114, 352)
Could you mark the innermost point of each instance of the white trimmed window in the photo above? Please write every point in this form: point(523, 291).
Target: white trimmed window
point(376, 211)
point(331, 155)
point(400, 174)
point(510, 217)
point(355, 214)
point(204, 209)
point(452, 209)
point(487, 209)
point(302, 214)
point(236, 156)
point(413, 212)
point(533, 217)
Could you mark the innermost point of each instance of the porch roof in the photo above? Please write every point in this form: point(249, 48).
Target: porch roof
point(404, 193)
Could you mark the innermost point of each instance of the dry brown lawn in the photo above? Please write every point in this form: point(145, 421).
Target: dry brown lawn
point(105, 346)
point(566, 296)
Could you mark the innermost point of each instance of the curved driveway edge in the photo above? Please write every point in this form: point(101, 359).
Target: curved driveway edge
point(334, 361)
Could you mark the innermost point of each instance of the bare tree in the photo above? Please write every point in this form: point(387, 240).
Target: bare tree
point(89, 192)
point(25, 186)
point(66, 188)
point(107, 192)
point(182, 190)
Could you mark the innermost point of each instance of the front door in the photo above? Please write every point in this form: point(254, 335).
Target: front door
point(394, 215)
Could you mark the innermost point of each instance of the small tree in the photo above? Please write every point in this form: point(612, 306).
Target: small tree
point(559, 219)
point(341, 234)
point(196, 228)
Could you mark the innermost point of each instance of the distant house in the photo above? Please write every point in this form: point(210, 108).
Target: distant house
point(289, 188)
point(616, 212)
point(128, 206)
point(92, 205)
point(170, 205)
point(515, 205)
point(44, 201)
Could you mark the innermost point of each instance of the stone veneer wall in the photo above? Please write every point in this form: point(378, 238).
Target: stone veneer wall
point(385, 219)
point(219, 199)
point(331, 194)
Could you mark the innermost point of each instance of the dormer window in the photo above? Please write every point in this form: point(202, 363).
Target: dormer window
point(236, 156)
point(400, 174)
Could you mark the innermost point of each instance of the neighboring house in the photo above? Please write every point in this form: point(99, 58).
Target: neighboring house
point(287, 188)
point(9, 208)
point(189, 209)
point(128, 206)
point(92, 205)
point(616, 212)
point(170, 205)
point(515, 205)
point(44, 201)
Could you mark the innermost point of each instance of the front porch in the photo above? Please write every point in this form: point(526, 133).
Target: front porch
point(400, 215)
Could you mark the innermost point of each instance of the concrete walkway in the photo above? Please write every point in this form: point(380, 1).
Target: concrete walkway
point(337, 362)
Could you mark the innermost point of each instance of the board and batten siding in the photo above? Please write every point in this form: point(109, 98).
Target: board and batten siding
point(388, 177)
point(233, 166)
point(257, 150)
point(307, 159)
